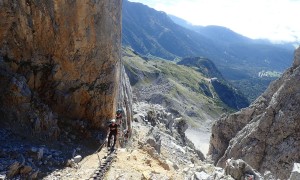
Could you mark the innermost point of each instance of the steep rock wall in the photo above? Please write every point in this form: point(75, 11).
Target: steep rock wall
point(64, 54)
point(266, 134)
point(125, 101)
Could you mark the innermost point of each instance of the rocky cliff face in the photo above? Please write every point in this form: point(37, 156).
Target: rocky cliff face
point(266, 134)
point(125, 99)
point(59, 60)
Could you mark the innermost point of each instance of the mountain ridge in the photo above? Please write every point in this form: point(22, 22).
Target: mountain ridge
point(213, 31)
point(205, 30)
point(238, 58)
point(157, 27)
point(139, 35)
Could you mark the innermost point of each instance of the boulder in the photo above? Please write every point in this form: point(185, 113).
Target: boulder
point(181, 125)
point(138, 117)
point(175, 166)
point(145, 175)
point(70, 163)
point(151, 151)
point(295, 174)
point(165, 164)
point(152, 118)
point(268, 175)
point(156, 144)
point(77, 159)
point(219, 174)
point(201, 176)
point(240, 170)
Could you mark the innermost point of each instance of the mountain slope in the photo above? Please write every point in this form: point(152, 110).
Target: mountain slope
point(183, 89)
point(203, 65)
point(173, 86)
point(228, 95)
point(266, 134)
point(149, 31)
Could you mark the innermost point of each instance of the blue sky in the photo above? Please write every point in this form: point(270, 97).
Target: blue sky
point(276, 20)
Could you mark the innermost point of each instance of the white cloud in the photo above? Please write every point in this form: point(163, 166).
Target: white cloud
point(270, 19)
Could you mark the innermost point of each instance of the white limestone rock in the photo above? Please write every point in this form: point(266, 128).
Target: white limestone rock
point(295, 174)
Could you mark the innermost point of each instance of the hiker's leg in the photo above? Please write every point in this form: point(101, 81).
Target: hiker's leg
point(109, 137)
point(115, 139)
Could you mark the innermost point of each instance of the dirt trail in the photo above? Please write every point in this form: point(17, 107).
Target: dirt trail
point(136, 165)
point(133, 164)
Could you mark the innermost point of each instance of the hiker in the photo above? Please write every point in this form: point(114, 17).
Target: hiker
point(112, 131)
point(119, 114)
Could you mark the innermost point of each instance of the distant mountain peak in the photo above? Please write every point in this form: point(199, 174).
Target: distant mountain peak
point(154, 33)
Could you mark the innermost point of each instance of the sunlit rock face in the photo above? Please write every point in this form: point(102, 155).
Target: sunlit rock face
point(266, 134)
point(63, 55)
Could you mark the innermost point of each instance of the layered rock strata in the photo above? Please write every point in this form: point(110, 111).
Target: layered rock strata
point(266, 134)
